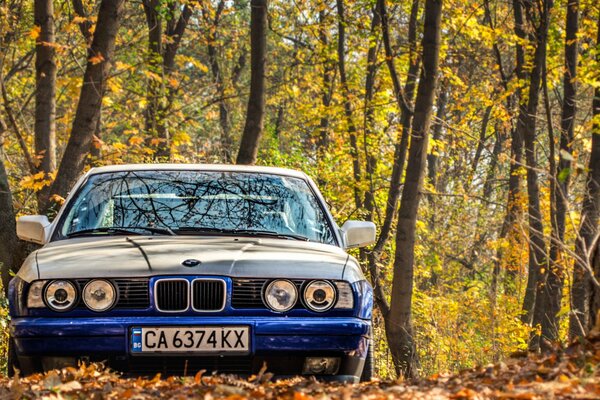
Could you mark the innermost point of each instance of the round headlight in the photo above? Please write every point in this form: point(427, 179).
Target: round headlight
point(319, 296)
point(99, 295)
point(60, 295)
point(281, 295)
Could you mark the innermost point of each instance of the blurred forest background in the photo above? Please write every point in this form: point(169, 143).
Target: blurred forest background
point(468, 131)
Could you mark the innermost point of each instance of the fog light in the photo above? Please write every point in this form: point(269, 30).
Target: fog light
point(50, 363)
point(321, 366)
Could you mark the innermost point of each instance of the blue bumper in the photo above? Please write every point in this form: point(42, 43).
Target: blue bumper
point(112, 335)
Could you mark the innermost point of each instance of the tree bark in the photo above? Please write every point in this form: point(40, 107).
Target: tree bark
point(432, 158)
point(45, 94)
point(513, 209)
point(529, 300)
point(399, 329)
point(85, 25)
point(585, 299)
point(256, 102)
point(161, 62)
point(9, 245)
point(491, 172)
point(481, 142)
point(90, 99)
point(370, 158)
point(155, 87)
point(348, 111)
point(403, 98)
point(561, 176)
point(215, 68)
point(329, 66)
point(534, 311)
point(400, 148)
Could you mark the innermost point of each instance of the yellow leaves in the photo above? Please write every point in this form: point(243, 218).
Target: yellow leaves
point(119, 146)
point(79, 20)
point(119, 65)
point(35, 32)
point(180, 138)
point(192, 61)
point(135, 140)
point(38, 181)
point(57, 199)
point(114, 85)
point(152, 76)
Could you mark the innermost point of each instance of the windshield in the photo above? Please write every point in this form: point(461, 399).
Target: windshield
point(196, 202)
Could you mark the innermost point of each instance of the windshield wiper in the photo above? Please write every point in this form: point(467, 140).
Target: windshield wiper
point(254, 232)
point(122, 230)
point(243, 232)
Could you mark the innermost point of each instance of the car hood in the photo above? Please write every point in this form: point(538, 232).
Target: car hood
point(136, 256)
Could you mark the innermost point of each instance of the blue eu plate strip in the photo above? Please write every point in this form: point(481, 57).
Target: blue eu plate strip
point(136, 340)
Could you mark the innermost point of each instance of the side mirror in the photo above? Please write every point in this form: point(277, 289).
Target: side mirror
point(33, 228)
point(358, 233)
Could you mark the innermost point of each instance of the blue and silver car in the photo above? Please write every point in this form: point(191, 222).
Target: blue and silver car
point(178, 268)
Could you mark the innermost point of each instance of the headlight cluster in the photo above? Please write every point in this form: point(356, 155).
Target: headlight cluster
point(319, 296)
point(281, 295)
point(60, 295)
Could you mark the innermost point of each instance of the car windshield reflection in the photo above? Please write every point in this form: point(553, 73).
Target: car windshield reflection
point(196, 202)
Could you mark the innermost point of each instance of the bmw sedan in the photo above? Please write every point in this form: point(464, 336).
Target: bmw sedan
point(177, 268)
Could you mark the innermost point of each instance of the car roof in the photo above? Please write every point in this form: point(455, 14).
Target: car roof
point(198, 167)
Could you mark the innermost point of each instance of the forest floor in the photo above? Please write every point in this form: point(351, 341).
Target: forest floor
point(571, 373)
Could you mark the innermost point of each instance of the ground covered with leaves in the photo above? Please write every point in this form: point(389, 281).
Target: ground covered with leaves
point(573, 373)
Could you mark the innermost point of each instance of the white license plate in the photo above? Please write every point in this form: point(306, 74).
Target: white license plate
point(191, 339)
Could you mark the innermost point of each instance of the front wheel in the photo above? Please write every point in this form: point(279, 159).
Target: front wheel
point(367, 373)
point(12, 362)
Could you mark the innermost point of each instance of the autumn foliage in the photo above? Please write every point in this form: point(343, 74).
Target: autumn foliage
point(497, 231)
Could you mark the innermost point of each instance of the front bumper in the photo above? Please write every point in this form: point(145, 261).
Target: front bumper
point(281, 342)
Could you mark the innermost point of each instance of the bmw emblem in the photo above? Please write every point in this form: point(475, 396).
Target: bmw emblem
point(191, 263)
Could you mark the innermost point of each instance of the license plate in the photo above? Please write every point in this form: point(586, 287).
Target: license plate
point(191, 339)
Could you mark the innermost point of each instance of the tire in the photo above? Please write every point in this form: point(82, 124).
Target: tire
point(12, 362)
point(367, 373)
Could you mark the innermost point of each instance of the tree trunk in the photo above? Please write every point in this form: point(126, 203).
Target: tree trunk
point(84, 25)
point(348, 112)
point(155, 89)
point(402, 97)
point(432, 158)
point(513, 209)
point(90, 99)
point(529, 300)
point(399, 325)
point(256, 102)
point(215, 67)
point(161, 63)
point(584, 311)
point(534, 309)
point(324, 138)
point(561, 176)
point(491, 172)
point(480, 143)
point(9, 245)
point(370, 158)
point(45, 94)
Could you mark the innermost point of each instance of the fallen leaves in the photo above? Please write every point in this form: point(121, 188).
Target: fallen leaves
point(573, 373)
